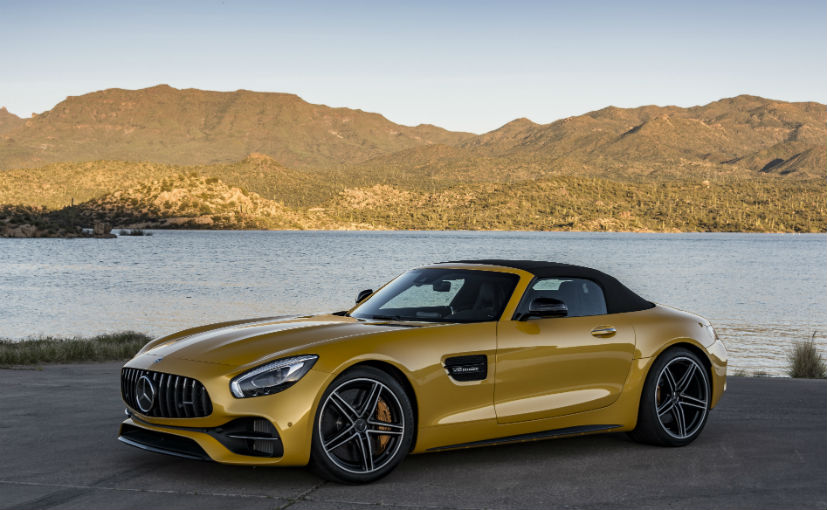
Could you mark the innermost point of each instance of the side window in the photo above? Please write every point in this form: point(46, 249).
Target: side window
point(582, 297)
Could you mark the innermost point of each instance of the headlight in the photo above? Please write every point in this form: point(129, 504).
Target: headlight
point(272, 377)
point(712, 332)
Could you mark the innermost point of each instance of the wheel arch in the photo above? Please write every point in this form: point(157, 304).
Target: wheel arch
point(403, 380)
point(694, 348)
point(646, 429)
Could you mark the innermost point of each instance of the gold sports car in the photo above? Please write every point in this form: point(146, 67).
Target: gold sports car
point(451, 355)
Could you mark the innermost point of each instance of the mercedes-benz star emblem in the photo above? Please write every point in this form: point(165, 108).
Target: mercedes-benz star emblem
point(145, 394)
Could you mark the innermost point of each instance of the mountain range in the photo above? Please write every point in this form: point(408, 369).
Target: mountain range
point(742, 135)
point(167, 158)
point(9, 121)
point(166, 125)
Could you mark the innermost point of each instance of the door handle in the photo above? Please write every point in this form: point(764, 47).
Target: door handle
point(604, 332)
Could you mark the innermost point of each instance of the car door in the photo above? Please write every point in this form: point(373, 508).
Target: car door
point(547, 367)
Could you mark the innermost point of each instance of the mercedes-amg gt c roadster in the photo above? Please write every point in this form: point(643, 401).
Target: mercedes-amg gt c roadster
point(446, 356)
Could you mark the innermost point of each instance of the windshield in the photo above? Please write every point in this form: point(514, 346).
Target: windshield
point(441, 295)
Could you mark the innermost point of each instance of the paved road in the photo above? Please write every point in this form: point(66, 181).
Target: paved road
point(764, 447)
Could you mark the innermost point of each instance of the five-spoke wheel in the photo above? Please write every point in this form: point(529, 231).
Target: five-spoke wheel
point(363, 428)
point(675, 400)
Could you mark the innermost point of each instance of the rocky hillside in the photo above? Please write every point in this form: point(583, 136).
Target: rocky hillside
point(744, 135)
point(166, 125)
point(193, 201)
point(9, 121)
point(274, 161)
point(27, 221)
point(740, 135)
point(60, 184)
point(764, 204)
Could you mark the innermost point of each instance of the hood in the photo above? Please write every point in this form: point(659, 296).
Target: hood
point(258, 341)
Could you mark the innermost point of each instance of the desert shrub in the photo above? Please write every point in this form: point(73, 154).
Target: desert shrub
point(805, 361)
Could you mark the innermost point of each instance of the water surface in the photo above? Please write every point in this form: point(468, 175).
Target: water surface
point(761, 291)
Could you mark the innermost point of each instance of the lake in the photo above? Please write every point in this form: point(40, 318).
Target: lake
point(761, 291)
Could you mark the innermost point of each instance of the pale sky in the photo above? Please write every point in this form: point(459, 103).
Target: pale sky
point(469, 66)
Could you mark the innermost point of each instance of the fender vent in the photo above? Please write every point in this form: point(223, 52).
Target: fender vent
point(467, 368)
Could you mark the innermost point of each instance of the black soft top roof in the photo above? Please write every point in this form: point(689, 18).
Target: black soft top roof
point(619, 299)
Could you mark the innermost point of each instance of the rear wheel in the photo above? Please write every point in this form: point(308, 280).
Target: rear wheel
point(363, 428)
point(675, 402)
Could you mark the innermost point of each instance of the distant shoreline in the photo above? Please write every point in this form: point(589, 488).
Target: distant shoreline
point(74, 222)
point(149, 232)
point(30, 353)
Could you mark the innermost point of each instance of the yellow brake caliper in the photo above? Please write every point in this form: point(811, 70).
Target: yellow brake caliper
point(383, 413)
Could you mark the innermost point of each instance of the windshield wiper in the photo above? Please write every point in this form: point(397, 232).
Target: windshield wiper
point(389, 318)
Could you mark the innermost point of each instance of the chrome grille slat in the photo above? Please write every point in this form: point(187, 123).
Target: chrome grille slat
point(196, 399)
point(127, 386)
point(205, 400)
point(131, 391)
point(162, 405)
point(124, 385)
point(187, 399)
point(169, 396)
point(182, 399)
point(172, 407)
point(183, 402)
point(176, 399)
point(189, 405)
point(175, 396)
point(163, 390)
point(171, 402)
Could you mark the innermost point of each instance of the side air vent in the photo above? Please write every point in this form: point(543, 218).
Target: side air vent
point(467, 368)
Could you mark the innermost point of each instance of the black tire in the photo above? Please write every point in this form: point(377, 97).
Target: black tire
point(362, 409)
point(674, 405)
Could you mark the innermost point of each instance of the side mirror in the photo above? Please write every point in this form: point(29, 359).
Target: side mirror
point(363, 295)
point(547, 307)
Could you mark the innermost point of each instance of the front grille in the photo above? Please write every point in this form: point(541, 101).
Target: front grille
point(174, 396)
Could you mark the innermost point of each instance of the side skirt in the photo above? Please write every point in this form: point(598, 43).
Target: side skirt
point(568, 431)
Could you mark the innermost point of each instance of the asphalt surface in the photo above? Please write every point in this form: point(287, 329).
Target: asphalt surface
point(765, 446)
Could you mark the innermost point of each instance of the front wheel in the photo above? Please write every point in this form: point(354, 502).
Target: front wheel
point(364, 427)
point(675, 402)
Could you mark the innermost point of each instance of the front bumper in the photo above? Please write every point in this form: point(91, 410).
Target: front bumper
point(268, 430)
point(718, 356)
point(160, 442)
point(253, 437)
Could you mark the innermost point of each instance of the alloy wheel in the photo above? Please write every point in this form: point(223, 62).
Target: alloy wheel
point(681, 397)
point(361, 425)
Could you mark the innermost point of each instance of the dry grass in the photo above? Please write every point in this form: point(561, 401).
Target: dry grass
point(805, 360)
point(107, 347)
